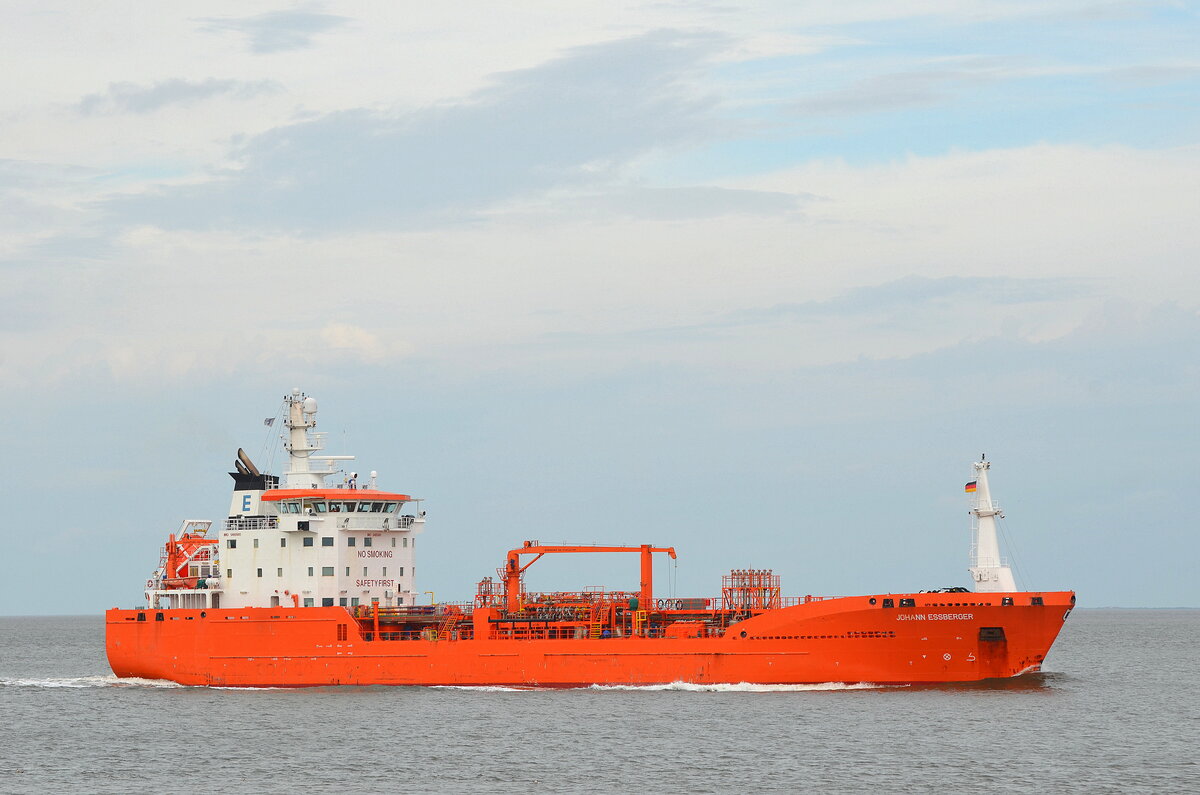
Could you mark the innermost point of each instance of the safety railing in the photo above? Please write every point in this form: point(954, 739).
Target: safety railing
point(368, 521)
point(251, 523)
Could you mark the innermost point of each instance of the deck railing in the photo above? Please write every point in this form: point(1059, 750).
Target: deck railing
point(368, 521)
point(251, 523)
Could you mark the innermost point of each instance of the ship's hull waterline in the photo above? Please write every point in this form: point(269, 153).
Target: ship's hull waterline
point(836, 640)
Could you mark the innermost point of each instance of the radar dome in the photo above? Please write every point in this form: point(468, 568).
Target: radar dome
point(310, 405)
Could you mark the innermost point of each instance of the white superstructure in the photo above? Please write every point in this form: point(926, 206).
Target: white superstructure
point(989, 572)
point(304, 542)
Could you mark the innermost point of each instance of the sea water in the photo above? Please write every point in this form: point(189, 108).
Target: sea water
point(1116, 710)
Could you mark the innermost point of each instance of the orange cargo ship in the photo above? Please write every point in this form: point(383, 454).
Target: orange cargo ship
point(309, 585)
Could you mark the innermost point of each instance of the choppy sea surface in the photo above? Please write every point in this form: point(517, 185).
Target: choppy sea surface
point(1117, 710)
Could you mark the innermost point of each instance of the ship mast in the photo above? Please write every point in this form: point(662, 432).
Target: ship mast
point(988, 569)
point(302, 443)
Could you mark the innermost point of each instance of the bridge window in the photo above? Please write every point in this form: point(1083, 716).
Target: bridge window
point(335, 507)
point(364, 507)
point(389, 507)
point(319, 507)
point(376, 507)
point(348, 507)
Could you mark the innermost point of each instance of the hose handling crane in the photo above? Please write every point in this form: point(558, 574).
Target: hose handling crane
point(513, 570)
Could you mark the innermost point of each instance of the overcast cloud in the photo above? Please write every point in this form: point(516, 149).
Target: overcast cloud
point(570, 123)
point(131, 98)
point(778, 274)
point(276, 31)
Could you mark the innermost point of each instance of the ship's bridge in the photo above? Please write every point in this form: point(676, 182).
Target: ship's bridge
point(341, 509)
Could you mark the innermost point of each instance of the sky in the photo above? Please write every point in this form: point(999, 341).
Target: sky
point(758, 281)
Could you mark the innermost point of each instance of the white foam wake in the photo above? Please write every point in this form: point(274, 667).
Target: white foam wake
point(484, 688)
point(86, 681)
point(688, 687)
point(743, 687)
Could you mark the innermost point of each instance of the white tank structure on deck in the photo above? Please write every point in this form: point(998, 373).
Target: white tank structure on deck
point(989, 572)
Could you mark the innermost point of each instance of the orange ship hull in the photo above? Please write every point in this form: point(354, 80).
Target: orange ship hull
point(851, 639)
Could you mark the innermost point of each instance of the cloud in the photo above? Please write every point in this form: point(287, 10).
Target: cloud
point(673, 204)
point(894, 260)
point(132, 98)
point(573, 122)
point(903, 90)
point(277, 31)
point(917, 293)
point(40, 203)
point(1121, 352)
point(893, 320)
point(30, 175)
point(344, 338)
point(1154, 74)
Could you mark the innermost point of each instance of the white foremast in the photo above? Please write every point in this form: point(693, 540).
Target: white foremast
point(988, 569)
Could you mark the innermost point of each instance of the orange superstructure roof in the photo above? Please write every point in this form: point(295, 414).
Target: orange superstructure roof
point(274, 495)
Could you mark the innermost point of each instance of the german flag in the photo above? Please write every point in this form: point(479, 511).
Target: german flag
point(970, 487)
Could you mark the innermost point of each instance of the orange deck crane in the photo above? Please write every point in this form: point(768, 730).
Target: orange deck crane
point(513, 568)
